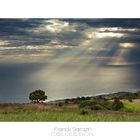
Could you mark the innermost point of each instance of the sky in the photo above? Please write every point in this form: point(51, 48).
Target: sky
point(88, 41)
point(68, 57)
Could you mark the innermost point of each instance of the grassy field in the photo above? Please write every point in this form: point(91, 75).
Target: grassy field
point(68, 112)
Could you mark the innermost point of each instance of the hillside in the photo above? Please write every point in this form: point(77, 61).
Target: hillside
point(112, 107)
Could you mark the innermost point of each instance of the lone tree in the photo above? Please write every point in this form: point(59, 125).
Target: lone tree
point(37, 96)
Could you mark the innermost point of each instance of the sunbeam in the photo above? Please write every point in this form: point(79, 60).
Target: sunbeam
point(69, 57)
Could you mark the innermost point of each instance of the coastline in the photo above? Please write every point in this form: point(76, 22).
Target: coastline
point(96, 96)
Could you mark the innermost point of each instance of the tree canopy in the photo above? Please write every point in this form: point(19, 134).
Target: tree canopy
point(37, 96)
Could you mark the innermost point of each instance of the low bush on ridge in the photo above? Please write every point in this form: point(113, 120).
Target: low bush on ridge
point(117, 104)
point(95, 104)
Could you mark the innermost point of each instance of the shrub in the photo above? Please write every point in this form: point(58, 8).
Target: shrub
point(84, 112)
point(87, 103)
point(96, 107)
point(102, 102)
point(130, 100)
point(87, 98)
point(94, 104)
point(66, 101)
point(83, 98)
point(60, 104)
point(117, 104)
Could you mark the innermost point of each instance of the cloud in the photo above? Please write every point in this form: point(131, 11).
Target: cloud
point(99, 23)
point(102, 39)
point(127, 45)
point(53, 26)
point(4, 42)
point(105, 35)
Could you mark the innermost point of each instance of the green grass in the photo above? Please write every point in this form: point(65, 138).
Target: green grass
point(131, 107)
point(71, 115)
point(129, 113)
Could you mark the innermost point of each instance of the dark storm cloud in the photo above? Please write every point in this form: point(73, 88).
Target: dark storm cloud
point(125, 23)
point(16, 26)
point(16, 31)
point(65, 36)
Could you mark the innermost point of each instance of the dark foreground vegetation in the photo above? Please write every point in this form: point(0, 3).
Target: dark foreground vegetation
point(121, 106)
